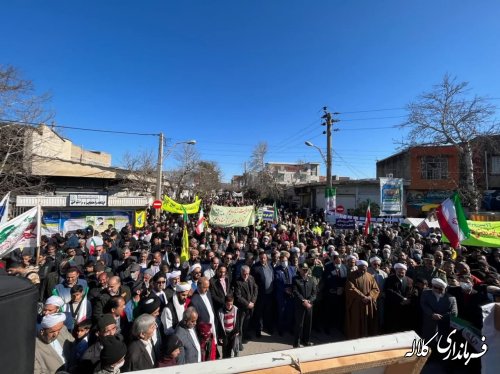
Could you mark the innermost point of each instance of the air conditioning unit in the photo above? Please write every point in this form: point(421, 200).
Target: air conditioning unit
point(390, 175)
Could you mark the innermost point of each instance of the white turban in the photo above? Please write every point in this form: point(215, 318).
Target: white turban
point(55, 300)
point(174, 274)
point(387, 246)
point(439, 282)
point(361, 263)
point(399, 265)
point(350, 257)
point(181, 287)
point(193, 267)
point(375, 259)
point(50, 320)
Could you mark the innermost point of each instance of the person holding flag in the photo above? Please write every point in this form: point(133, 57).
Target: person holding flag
point(200, 225)
point(4, 209)
point(367, 228)
point(185, 239)
point(452, 220)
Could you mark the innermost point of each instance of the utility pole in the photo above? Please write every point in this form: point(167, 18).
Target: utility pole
point(159, 172)
point(329, 120)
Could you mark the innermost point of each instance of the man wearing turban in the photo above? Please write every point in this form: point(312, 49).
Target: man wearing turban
point(361, 303)
point(437, 307)
point(53, 344)
point(399, 310)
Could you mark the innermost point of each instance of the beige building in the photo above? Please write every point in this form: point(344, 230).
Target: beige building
point(289, 174)
point(49, 154)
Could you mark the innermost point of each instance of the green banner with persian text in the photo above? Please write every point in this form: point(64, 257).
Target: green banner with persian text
point(483, 234)
point(229, 216)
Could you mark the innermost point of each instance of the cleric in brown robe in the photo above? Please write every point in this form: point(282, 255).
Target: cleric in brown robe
point(361, 303)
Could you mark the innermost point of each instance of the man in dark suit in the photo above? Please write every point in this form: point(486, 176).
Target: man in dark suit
point(141, 353)
point(334, 279)
point(399, 312)
point(185, 331)
point(245, 297)
point(219, 287)
point(437, 308)
point(202, 301)
point(263, 274)
point(283, 276)
point(304, 292)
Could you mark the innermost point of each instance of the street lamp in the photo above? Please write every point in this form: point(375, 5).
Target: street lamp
point(309, 144)
point(327, 160)
point(159, 170)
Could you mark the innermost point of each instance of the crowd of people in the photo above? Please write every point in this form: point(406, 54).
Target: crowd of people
point(122, 300)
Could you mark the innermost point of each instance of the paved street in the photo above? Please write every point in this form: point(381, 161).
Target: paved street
point(275, 343)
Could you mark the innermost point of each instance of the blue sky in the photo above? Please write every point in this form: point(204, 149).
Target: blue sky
point(231, 74)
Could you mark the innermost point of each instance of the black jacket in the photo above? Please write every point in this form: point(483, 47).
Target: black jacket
point(138, 358)
point(304, 289)
point(197, 302)
point(217, 292)
point(245, 293)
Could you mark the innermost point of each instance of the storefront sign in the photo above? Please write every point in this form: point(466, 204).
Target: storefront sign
point(87, 200)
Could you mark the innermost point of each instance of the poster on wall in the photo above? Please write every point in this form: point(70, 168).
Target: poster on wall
point(391, 196)
point(63, 222)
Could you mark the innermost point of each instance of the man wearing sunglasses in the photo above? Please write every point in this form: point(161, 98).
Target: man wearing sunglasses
point(437, 308)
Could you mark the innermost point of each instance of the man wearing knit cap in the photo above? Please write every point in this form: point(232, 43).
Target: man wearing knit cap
point(304, 292)
point(361, 303)
point(53, 345)
point(437, 308)
point(399, 296)
point(106, 326)
point(172, 350)
point(112, 355)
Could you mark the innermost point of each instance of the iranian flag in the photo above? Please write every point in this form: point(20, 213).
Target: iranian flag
point(452, 220)
point(201, 223)
point(368, 221)
point(18, 232)
point(330, 200)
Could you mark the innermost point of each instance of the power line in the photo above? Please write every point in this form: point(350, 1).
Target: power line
point(370, 118)
point(78, 128)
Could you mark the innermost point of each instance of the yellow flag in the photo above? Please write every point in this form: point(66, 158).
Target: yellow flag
point(140, 219)
point(172, 206)
point(185, 246)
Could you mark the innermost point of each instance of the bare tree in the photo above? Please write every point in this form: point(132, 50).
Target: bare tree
point(140, 174)
point(180, 178)
point(19, 107)
point(257, 163)
point(449, 115)
point(207, 178)
point(260, 178)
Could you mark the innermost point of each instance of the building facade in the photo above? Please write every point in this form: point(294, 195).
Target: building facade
point(290, 174)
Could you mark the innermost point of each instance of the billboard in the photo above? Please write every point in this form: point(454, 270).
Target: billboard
point(391, 196)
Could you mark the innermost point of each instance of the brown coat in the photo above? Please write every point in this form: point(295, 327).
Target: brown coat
point(46, 359)
point(361, 319)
